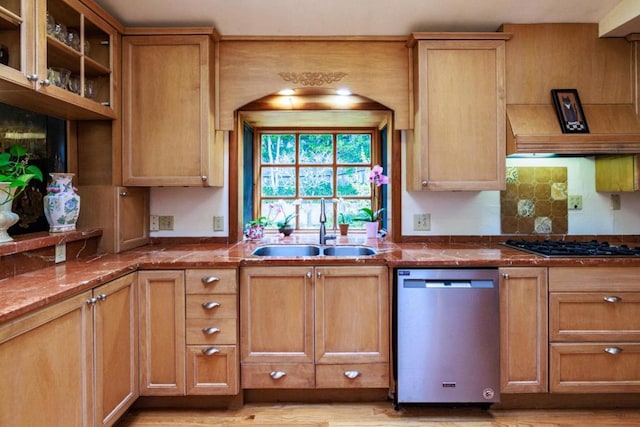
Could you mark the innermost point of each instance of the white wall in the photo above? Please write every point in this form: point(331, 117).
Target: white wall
point(452, 213)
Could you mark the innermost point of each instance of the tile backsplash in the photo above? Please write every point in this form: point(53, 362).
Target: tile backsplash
point(535, 201)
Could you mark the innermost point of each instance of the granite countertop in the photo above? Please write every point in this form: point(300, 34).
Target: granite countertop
point(29, 291)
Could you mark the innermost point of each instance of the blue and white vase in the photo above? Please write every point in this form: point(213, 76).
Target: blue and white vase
point(62, 203)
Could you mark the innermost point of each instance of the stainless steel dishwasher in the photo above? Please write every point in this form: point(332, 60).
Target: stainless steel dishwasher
point(447, 336)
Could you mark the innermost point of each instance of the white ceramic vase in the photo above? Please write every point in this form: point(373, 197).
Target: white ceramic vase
point(372, 229)
point(7, 218)
point(62, 203)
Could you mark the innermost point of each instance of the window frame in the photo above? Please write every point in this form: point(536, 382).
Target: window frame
point(376, 155)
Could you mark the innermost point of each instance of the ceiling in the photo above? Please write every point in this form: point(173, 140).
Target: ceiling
point(369, 17)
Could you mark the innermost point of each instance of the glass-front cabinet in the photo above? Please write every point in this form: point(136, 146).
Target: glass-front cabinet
point(60, 48)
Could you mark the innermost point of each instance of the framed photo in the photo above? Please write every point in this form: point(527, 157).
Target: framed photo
point(569, 111)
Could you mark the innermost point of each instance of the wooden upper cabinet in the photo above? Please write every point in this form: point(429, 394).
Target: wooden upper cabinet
point(458, 141)
point(617, 173)
point(168, 122)
point(53, 74)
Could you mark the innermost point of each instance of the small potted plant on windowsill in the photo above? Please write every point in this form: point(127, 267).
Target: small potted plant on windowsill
point(254, 229)
point(15, 175)
point(343, 222)
point(371, 219)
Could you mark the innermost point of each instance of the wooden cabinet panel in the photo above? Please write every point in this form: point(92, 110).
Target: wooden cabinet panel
point(589, 316)
point(46, 366)
point(116, 327)
point(276, 314)
point(459, 92)
point(278, 375)
point(162, 332)
point(595, 368)
point(212, 281)
point(351, 315)
point(616, 174)
point(168, 126)
point(211, 331)
point(122, 213)
point(365, 375)
point(523, 330)
point(212, 370)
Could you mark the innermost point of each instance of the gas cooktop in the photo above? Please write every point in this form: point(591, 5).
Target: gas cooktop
point(563, 248)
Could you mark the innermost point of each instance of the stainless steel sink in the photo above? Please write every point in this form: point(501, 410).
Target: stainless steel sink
point(287, 250)
point(312, 250)
point(348, 251)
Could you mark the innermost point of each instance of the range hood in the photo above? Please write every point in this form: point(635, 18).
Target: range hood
point(613, 128)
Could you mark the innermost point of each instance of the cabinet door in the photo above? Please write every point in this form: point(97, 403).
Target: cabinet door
point(123, 215)
point(523, 330)
point(116, 327)
point(351, 315)
point(212, 370)
point(168, 136)
point(459, 140)
point(46, 366)
point(276, 314)
point(18, 32)
point(162, 333)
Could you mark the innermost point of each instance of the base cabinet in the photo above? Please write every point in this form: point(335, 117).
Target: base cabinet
point(46, 366)
point(188, 332)
point(523, 330)
point(594, 329)
point(59, 367)
point(314, 327)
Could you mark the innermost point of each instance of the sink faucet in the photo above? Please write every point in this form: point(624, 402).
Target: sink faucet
point(323, 228)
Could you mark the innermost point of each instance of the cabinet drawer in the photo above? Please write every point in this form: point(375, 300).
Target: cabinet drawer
point(594, 316)
point(212, 306)
point(215, 373)
point(366, 375)
point(594, 279)
point(588, 368)
point(281, 375)
point(223, 331)
point(212, 281)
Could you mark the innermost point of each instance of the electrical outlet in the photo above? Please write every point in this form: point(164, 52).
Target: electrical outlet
point(61, 252)
point(615, 202)
point(154, 223)
point(574, 202)
point(218, 223)
point(165, 222)
point(422, 222)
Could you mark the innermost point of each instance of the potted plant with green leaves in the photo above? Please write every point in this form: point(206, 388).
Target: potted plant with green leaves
point(15, 175)
point(343, 223)
point(372, 216)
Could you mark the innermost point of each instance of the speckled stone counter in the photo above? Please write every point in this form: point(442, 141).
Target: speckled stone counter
point(32, 290)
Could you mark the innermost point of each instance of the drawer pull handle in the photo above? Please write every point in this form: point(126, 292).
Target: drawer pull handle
point(210, 351)
point(207, 280)
point(210, 305)
point(211, 330)
point(352, 374)
point(612, 298)
point(276, 375)
point(613, 350)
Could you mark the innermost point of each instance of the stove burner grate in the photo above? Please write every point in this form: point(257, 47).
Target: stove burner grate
point(560, 248)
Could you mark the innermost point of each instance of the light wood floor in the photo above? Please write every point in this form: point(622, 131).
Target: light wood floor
point(377, 414)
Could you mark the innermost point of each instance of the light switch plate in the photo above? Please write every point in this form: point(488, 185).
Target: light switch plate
point(218, 223)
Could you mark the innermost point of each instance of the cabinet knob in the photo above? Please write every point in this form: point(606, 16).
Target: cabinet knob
point(425, 183)
point(101, 297)
point(204, 178)
point(352, 374)
point(612, 298)
point(207, 280)
point(210, 330)
point(210, 351)
point(123, 193)
point(318, 274)
point(32, 77)
point(210, 305)
point(92, 301)
point(309, 274)
point(45, 82)
point(613, 350)
point(505, 276)
point(276, 375)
